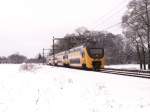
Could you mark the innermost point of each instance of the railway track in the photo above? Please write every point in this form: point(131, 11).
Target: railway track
point(124, 72)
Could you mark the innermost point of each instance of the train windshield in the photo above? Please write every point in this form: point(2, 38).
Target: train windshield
point(95, 50)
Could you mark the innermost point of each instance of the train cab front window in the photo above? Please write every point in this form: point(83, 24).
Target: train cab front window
point(95, 50)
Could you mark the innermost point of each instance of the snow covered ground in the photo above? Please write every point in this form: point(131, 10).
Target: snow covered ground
point(52, 89)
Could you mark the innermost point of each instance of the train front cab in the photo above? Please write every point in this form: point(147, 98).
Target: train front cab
point(94, 58)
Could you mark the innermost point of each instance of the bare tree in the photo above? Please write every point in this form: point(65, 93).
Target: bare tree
point(136, 24)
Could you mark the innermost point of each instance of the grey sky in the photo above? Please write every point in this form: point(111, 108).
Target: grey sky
point(27, 26)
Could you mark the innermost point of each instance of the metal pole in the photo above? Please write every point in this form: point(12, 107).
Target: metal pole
point(53, 51)
point(43, 56)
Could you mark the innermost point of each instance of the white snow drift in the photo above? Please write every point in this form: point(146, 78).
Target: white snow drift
point(55, 89)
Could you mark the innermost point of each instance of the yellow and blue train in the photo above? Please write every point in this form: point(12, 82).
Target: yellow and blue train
point(88, 56)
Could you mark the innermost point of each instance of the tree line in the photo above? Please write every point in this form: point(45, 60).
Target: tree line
point(17, 58)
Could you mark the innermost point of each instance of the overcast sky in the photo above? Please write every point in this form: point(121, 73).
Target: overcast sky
point(27, 26)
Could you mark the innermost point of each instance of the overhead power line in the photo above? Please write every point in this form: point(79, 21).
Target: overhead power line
point(105, 18)
point(119, 23)
point(114, 25)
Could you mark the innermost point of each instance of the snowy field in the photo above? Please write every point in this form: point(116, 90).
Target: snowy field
point(52, 89)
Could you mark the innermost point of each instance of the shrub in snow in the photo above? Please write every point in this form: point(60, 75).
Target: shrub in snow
point(29, 67)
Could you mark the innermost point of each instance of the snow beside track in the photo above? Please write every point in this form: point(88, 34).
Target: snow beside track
point(56, 89)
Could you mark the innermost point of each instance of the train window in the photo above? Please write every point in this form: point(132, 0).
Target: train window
point(81, 52)
point(96, 51)
point(75, 61)
point(65, 57)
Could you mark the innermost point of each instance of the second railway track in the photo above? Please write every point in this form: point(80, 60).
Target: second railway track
point(124, 72)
